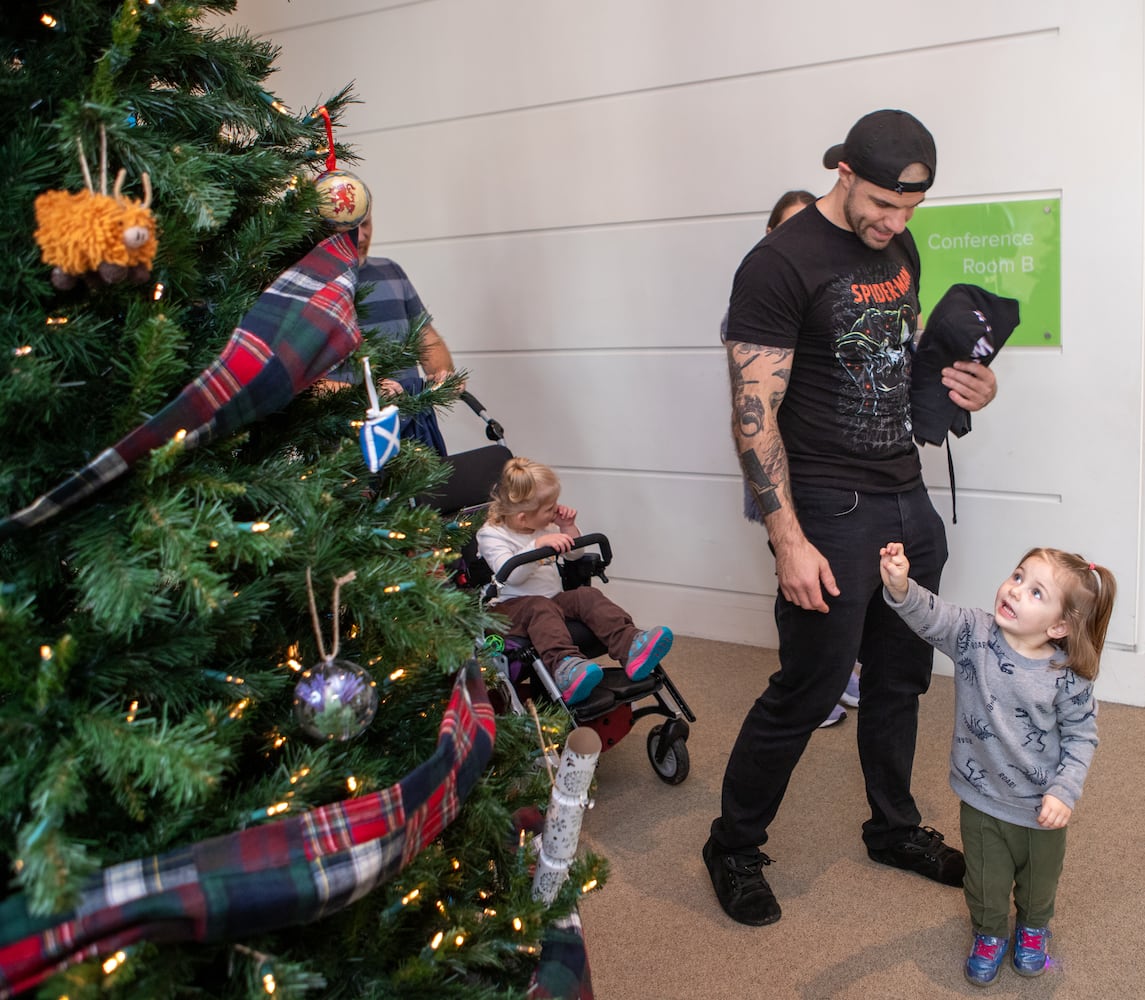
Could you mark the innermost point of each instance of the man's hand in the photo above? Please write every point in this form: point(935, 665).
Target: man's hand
point(804, 574)
point(972, 385)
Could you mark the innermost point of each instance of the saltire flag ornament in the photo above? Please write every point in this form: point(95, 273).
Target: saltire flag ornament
point(302, 325)
point(285, 873)
point(380, 434)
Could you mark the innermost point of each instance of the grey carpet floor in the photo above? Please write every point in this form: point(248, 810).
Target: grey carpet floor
point(850, 928)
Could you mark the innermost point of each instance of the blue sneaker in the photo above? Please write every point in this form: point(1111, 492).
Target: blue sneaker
point(647, 650)
point(576, 677)
point(850, 696)
point(1030, 949)
point(838, 714)
point(985, 959)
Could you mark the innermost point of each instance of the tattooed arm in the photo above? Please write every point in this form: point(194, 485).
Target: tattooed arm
point(759, 378)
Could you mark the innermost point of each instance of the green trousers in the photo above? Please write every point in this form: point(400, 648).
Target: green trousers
point(1002, 858)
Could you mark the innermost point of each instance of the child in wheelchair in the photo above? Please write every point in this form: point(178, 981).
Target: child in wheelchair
point(525, 515)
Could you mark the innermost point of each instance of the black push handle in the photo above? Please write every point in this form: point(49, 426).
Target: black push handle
point(493, 430)
point(547, 552)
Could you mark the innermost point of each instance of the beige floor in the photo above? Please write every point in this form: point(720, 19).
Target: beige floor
point(850, 928)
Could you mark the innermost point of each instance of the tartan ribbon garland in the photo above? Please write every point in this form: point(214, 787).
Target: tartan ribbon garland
point(299, 328)
point(563, 972)
point(286, 873)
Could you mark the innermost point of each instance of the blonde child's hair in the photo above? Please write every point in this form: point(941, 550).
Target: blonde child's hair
point(524, 486)
point(1088, 593)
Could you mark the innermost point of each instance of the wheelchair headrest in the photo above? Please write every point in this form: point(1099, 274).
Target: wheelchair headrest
point(473, 476)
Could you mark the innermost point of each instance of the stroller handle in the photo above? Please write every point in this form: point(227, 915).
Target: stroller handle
point(493, 430)
point(547, 551)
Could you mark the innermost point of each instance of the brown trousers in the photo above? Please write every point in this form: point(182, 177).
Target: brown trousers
point(542, 621)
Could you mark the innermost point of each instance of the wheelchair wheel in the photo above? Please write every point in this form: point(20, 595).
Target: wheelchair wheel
point(674, 766)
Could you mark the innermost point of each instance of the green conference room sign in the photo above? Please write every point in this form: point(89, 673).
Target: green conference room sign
point(1010, 248)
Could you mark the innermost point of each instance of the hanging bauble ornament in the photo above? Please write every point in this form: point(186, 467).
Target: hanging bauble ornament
point(335, 700)
point(344, 200)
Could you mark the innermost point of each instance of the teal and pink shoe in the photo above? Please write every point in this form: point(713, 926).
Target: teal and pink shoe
point(646, 652)
point(576, 677)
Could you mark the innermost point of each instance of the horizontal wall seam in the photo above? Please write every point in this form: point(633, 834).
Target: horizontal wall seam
point(339, 19)
point(623, 225)
point(719, 477)
point(863, 60)
point(587, 352)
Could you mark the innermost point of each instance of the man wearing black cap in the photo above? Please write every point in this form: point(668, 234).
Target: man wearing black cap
point(821, 319)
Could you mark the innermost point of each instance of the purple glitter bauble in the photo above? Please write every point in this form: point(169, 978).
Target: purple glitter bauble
point(335, 700)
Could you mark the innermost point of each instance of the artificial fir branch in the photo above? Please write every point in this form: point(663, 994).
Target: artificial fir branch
point(150, 758)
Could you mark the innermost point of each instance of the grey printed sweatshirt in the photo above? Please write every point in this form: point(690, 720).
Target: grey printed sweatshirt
point(1022, 728)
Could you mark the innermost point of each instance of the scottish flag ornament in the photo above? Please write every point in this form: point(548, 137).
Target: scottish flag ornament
point(380, 434)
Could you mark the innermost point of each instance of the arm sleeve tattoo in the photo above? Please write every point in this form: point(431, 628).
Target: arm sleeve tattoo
point(754, 421)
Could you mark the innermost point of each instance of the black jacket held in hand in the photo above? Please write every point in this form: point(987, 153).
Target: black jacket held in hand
point(967, 324)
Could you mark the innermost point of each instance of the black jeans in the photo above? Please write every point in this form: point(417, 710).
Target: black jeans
point(816, 654)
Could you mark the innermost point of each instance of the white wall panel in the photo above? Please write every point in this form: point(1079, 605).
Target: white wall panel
point(655, 542)
point(655, 411)
point(571, 187)
point(661, 285)
point(995, 530)
point(433, 60)
point(693, 151)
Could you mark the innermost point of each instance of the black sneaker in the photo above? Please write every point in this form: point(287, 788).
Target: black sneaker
point(924, 852)
point(740, 887)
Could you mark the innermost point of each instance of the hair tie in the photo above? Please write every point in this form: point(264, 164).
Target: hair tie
point(1091, 566)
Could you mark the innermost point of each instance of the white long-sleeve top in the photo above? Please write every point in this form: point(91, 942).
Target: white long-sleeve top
point(498, 543)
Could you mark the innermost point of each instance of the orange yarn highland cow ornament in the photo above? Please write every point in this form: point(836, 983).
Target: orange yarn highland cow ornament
point(98, 237)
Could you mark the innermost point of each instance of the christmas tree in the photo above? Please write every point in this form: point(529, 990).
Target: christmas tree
point(226, 638)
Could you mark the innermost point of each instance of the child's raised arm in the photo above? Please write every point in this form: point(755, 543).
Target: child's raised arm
point(894, 567)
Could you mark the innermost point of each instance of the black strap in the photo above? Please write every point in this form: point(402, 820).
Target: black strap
point(950, 471)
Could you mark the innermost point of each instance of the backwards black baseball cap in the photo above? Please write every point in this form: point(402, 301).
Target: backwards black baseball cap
point(881, 145)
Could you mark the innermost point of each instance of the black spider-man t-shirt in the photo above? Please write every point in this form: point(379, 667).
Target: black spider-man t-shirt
point(850, 313)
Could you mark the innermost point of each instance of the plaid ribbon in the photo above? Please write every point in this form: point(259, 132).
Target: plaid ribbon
point(281, 874)
point(302, 325)
point(563, 972)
